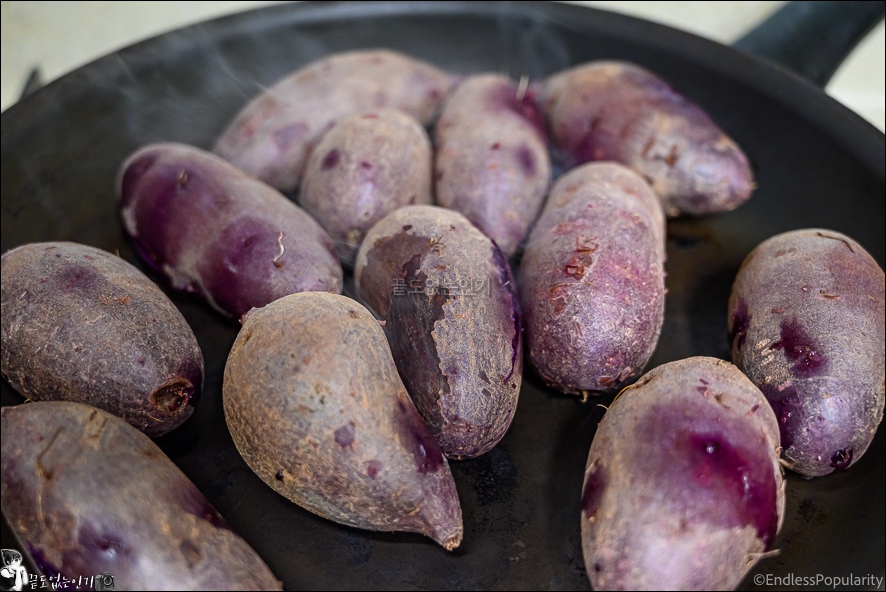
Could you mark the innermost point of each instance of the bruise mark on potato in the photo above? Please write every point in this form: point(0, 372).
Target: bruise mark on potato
point(798, 348)
point(344, 436)
point(741, 320)
point(330, 160)
point(787, 407)
point(526, 160)
point(191, 553)
point(193, 502)
point(841, 459)
point(418, 440)
point(595, 484)
point(372, 468)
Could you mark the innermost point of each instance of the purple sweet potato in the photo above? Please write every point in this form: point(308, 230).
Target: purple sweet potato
point(683, 488)
point(366, 167)
point(216, 232)
point(618, 111)
point(592, 280)
point(492, 162)
point(806, 324)
point(80, 324)
point(315, 406)
point(87, 494)
point(451, 315)
point(272, 137)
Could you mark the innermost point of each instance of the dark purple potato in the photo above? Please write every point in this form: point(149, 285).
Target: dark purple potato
point(86, 494)
point(445, 293)
point(272, 137)
point(366, 167)
point(806, 323)
point(80, 324)
point(492, 161)
point(683, 488)
point(618, 111)
point(216, 232)
point(315, 406)
point(591, 281)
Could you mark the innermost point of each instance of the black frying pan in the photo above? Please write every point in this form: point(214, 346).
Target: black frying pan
point(816, 163)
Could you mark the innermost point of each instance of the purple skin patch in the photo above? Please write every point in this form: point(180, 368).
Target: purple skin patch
point(418, 440)
point(705, 473)
point(193, 502)
point(344, 436)
point(330, 160)
point(841, 459)
point(595, 484)
point(798, 347)
point(285, 137)
point(741, 320)
point(372, 468)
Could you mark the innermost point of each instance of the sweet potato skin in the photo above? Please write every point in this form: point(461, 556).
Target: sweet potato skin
point(806, 324)
point(272, 136)
point(451, 315)
point(366, 167)
point(492, 161)
point(80, 324)
point(682, 486)
point(211, 230)
point(620, 112)
point(315, 407)
point(591, 282)
point(87, 493)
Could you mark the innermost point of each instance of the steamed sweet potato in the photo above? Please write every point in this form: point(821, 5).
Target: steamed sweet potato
point(214, 231)
point(315, 406)
point(492, 161)
point(683, 489)
point(618, 111)
point(366, 167)
point(806, 324)
point(87, 494)
point(80, 324)
point(591, 282)
point(451, 316)
point(272, 137)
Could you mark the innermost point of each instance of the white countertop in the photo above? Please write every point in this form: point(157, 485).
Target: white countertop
point(58, 37)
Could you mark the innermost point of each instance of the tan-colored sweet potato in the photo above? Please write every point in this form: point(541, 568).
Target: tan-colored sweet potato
point(316, 408)
point(272, 137)
point(80, 324)
point(86, 494)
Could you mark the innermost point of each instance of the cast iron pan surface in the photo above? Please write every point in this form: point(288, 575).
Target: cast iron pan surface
point(816, 163)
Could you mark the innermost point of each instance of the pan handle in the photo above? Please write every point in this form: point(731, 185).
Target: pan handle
point(813, 38)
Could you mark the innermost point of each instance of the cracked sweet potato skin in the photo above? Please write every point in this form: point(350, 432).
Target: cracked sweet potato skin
point(315, 407)
point(492, 161)
point(366, 167)
point(451, 315)
point(591, 282)
point(211, 230)
point(80, 324)
point(806, 324)
point(272, 136)
point(683, 488)
point(86, 493)
point(620, 112)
